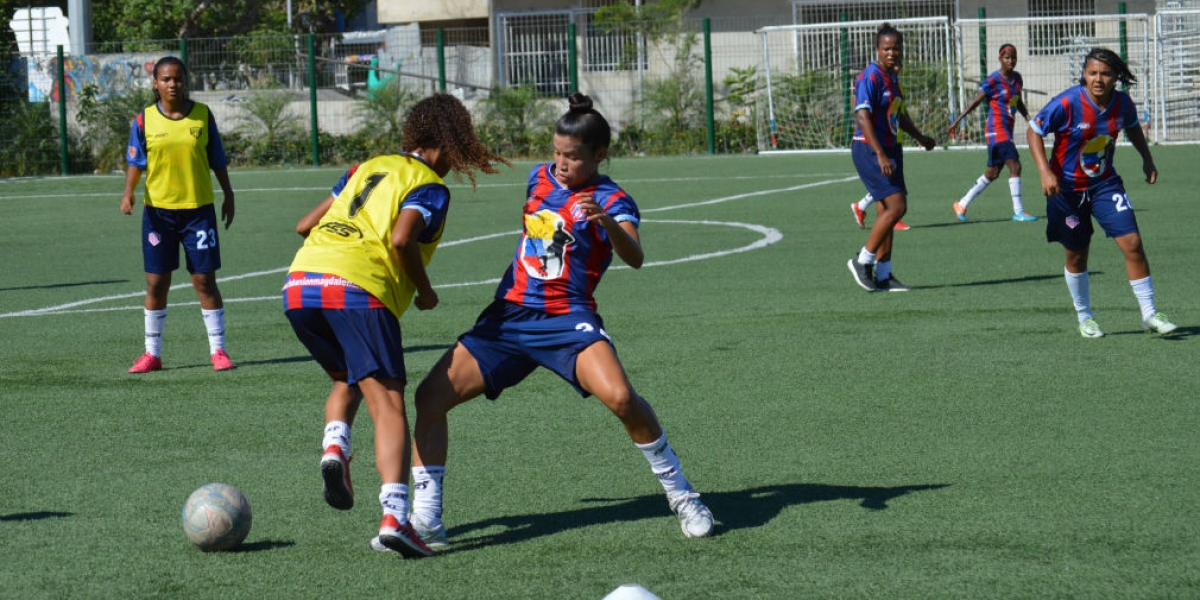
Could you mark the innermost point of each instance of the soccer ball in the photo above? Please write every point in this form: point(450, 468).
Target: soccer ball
point(216, 517)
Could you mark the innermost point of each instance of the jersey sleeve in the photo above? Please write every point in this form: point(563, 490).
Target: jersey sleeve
point(987, 87)
point(216, 149)
point(135, 155)
point(433, 202)
point(1129, 115)
point(864, 92)
point(1053, 117)
point(621, 207)
point(337, 188)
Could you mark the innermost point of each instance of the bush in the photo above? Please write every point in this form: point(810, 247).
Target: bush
point(106, 121)
point(516, 122)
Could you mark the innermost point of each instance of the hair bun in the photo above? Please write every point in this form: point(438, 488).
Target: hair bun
point(580, 103)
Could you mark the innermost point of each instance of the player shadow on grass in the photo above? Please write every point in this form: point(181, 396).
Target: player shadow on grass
point(55, 286)
point(1027, 279)
point(36, 516)
point(301, 359)
point(744, 509)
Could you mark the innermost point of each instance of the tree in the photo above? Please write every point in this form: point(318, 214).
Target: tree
point(114, 20)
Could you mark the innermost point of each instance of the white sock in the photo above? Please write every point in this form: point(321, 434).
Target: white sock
point(866, 202)
point(337, 432)
point(214, 321)
point(1143, 290)
point(1014, 188)
point(1077, 284)
point(155, 321)
point(883, 270)
point(975, 190)
point(866, 258)
point(665, 465)
point(394, 499)
point(427, 492)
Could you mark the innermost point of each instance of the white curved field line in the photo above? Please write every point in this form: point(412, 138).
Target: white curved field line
point(769, 235)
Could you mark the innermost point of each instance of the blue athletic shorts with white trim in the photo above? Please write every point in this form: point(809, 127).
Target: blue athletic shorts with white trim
point(999, 154)
point(163, 230)
point(1069, 214)
point(360, 343)
point(509, 341)
point(877, 184)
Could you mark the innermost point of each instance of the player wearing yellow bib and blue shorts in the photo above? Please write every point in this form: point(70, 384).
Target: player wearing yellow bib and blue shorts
point(176, 143)
point(362, 264)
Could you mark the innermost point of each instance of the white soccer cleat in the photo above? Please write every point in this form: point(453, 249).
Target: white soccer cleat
point(1160, 324)
point(1090, 329)
point(694, 517)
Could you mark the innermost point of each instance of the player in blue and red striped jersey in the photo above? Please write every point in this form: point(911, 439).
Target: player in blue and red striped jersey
point(544, 315)
point(1080, 182)
point(1002, 89)
point(176, 143)
point(879, 157)
point(363, 262)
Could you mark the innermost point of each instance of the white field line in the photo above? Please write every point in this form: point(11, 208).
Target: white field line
point(769, 235)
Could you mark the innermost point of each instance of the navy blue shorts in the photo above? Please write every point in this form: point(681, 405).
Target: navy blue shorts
point(360, 342)
point(877, 185)
point(1069, 214)
point(999, 154)
point(163, 230)
point(509, 341)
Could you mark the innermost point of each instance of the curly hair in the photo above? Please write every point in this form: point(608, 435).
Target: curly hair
point(1113, 60)
point(441, 121)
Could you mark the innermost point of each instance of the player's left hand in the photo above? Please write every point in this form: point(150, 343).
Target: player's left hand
point(227, 210)
point(1151, 172)
point(426, 301)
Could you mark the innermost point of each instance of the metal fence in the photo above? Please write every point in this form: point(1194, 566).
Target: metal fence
point(644, 84)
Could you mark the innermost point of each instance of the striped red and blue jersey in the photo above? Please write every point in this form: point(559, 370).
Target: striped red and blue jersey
point(562, 256)
point(1085, 136)
point(325, 290)
point(879, 92)
point(1003, 95)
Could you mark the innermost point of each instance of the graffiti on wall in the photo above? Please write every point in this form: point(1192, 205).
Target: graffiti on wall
point(109, 73)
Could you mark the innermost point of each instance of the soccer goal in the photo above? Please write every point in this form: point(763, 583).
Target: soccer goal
point(809, 73)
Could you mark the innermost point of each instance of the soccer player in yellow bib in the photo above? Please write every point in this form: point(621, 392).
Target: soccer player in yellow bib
point(362, 264)
point(176, 142)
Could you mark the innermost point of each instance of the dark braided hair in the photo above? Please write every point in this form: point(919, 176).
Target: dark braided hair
point(886, 29)
point(584, 123)
point(1113, 60)
point(183, 72)
point(441, 121)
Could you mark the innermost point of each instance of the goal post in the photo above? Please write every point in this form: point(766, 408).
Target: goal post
point(809, 72)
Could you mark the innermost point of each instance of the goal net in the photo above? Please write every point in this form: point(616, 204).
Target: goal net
point(808, 76)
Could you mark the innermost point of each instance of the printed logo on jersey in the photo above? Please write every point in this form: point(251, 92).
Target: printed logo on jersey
point(343, 229)
point(895, 109)
point(195, 131)
point(1093, 155)
point(545, 245)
